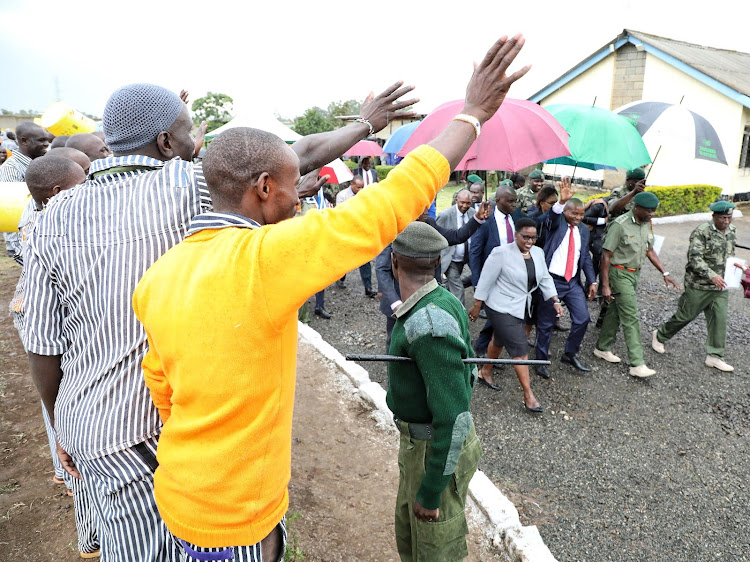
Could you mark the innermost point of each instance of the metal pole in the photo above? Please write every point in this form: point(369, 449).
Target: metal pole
point(471, 360)
point(651, 167)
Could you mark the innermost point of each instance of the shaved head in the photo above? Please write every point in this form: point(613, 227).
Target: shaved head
point(504, 189)
point(238, 157)
point(72, 154)
point(29, 128)
point(32, 139)
point(91, 145)
point(45, 177)
point(59, 141)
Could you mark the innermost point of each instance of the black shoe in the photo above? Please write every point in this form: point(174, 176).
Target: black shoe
point(600, 321)
point(543, 372)
point(323, 313)
point(534, 410)
point(482, 314)
point(370, 293)
point(340, 285)
point(573, 360)
point(492, 385)
point(560, 328)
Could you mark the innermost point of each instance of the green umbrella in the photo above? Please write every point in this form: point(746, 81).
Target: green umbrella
point(599, 136)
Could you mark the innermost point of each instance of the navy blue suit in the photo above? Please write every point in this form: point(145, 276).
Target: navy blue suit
point(483, 242)
point(571, 292)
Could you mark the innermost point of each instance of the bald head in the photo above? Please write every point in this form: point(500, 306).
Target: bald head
point(46, 177)
point(72, 154)
point(32, 139)
point(57, 142)
point(245, 159)
point(91, 145)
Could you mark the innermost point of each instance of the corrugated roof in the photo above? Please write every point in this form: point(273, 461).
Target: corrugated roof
point(731, 68)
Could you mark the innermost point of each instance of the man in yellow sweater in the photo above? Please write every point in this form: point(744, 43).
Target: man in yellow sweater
point(220, 310)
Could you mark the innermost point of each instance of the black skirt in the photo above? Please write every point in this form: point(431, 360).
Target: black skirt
point(509, 332)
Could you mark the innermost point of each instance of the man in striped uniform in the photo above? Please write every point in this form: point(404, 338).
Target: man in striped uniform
point(87, 254)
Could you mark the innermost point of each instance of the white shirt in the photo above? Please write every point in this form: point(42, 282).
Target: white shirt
point(461, 220)
point(367, 176)
point(502, 229)
point(560, 257)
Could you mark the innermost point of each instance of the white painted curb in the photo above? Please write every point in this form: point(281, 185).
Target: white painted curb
point(702, 217)
point(522, 544)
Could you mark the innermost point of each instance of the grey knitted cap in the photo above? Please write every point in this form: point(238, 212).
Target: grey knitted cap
point(136, 114)
point(419, 240)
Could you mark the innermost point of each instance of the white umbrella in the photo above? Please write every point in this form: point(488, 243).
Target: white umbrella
point(259, 121)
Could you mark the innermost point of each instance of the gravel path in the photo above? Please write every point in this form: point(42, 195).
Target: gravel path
point(616, 468)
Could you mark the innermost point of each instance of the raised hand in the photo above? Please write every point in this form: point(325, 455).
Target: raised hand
point(184, 96)
point(489, 84)
point(200, 137)
point(310, 184)
point(385, 107)
point(484, 211)
point(566, 190)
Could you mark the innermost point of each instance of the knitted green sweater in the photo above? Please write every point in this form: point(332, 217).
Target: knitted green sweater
point(436, 388)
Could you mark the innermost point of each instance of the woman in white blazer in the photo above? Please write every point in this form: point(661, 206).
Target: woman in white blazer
point(509, 276)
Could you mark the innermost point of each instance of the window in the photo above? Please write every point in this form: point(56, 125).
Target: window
point(745, 154)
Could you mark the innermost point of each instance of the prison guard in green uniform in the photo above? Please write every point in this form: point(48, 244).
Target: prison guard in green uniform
point(628, 241)
point(707, 255)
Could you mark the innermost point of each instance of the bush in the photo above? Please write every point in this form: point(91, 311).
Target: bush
point(678, 199)
point(383, 171)
point(352, 165)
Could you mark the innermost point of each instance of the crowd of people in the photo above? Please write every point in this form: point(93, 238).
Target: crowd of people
point(158, 304)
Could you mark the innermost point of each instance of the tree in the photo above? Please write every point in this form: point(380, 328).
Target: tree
point(315, 120)
point(213, 108)
point(350, 107)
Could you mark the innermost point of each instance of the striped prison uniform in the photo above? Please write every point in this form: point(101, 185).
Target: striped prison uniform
point(88, 252)
point(251, 553)
point(14, 170)
point(84, 516)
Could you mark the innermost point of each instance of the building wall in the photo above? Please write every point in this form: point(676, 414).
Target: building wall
point(12, 121)
point(596, 82)
point(663, 82)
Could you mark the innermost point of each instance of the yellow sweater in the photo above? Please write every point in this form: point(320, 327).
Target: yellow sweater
point(220, 311)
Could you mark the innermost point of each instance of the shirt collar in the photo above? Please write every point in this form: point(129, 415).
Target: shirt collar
point(21, 158)
point(499, 213)
point(214, 221)
point(416, 297)
point(111, 162)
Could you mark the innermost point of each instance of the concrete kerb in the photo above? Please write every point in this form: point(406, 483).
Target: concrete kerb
point(498, 515)
point(702, 217)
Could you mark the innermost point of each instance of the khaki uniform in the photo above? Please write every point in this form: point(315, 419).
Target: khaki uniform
point(526, 198)
point(628, 241)
point(619, 193)
point(707, 255)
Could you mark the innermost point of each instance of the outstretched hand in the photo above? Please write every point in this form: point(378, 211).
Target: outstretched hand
point(566, 190)
point(385, 107)
point(310, 183)
point(489, 84)
point(200, 137)
point(184, 96)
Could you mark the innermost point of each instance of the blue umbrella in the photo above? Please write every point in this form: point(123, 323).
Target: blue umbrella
point(399, 137)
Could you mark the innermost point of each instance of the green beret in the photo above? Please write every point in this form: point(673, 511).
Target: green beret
point(636, 174)
point(647, 200)
point(536, 175)
point(419, 240)
point(506, 182)
point(722, 207)
point(473, 178)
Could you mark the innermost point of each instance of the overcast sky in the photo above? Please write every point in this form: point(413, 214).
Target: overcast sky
point(283, 57)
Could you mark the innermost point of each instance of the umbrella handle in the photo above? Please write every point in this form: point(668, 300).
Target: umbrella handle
point(651, 167)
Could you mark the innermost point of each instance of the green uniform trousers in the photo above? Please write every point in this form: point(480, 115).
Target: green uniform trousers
point(623, 311)
point(443, 540)
point(692, 302)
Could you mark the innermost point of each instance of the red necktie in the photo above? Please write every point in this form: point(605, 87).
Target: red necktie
point(508, 229)
point(571, 256)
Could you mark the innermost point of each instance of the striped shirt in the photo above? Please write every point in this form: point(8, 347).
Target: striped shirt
point(27, 223)
point(14, 170)
point(87, 254)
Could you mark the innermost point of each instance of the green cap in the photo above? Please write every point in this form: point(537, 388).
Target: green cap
point(647, 200)
point(419, 240)
point(635, 174)
point(536, 175)
point(506, 182)
point(473, 178)
point(722, 207)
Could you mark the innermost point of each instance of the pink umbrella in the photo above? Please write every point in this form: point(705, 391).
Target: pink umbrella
point(365, 148)
point(520, 134)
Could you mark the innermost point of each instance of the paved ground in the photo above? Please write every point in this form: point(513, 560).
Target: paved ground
point(616, 468)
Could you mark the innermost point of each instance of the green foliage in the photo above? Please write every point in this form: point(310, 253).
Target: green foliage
point(213, 108)
point(352, 164)
point(315, 120)
point(293, 551)
point(383, 171)
point(336, 108)
point(678, 199)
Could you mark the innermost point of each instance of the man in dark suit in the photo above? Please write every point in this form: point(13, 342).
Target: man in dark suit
point(566, 251)
point(453, 258)
point(366, 171)
point(497, 230)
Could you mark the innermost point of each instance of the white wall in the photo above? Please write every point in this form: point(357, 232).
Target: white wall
point(595, 82)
